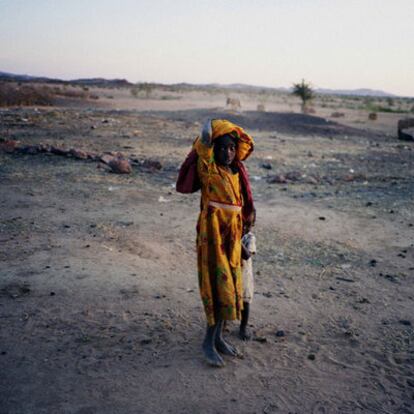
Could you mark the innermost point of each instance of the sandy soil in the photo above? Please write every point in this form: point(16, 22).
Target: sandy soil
point(99, 304)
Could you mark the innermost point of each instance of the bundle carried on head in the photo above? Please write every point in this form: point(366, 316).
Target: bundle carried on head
point(188, 181)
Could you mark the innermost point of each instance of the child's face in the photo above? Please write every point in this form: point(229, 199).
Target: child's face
point(225, 150)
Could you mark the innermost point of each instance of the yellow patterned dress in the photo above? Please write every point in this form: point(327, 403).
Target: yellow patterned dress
point(219, 229)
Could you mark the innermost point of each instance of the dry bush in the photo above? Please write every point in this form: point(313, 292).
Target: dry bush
point(72, 93)
point(41, 95)
point(15, 95)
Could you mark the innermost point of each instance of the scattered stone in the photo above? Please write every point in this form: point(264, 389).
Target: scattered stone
point(404, 124)
point(120, 166)
point(267, 294)
point(280, 334)
point(79, 154)
point(322, 218)
point(145, 341)
point(293, 176)
point(391, 278)
point(52, 293)
point(267, 166)
point(311, 357)
point(106, 158)
point(373, 263)
point(9, 146)
point(312, 180)
point(405, 322)
point(59, 151)
point(344, 279)
point(152, 165)
point(261, 339)
point(368, 204)
point(410, 382)
point(277, 179)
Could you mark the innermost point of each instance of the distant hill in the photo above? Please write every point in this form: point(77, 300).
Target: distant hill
point(101, 82)
point(236, 87)
point(354, 92)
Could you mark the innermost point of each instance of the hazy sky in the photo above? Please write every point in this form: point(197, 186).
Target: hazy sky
point(332, 43)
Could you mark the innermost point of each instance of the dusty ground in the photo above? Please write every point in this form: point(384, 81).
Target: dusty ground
point(99, 306)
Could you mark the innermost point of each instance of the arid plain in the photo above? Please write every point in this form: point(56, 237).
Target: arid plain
point(99, 303)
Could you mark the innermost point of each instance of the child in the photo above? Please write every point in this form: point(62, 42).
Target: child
point(225, 202)
point(248, 249)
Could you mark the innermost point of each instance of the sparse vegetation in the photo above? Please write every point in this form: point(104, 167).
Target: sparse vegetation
point(15, 95)
point(305, 92)
point(142, 89)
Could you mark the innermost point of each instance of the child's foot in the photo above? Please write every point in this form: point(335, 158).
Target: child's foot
point(226, 348)
point(244, 334)
point(212, 357)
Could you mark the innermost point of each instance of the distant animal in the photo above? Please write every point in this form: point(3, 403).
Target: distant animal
point(234, 104)
point(373, 116)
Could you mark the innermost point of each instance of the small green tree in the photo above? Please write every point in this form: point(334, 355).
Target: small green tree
point(305, 92)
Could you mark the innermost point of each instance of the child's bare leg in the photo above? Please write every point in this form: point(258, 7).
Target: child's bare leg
point(209, 347)
point(223, 346)
point(243, 332)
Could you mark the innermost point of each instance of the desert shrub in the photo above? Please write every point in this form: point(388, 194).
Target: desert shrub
point(145, 88)
point(15, 95)
point(169, 98)
point(71, 93)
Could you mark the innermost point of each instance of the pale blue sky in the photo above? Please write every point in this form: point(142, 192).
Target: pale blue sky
point(332, 43)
